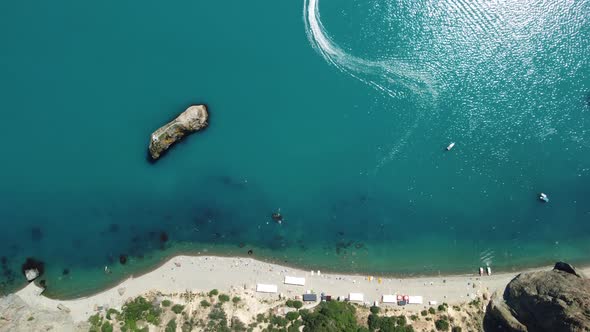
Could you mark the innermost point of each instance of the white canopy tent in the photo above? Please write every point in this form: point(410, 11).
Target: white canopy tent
point(264, 288)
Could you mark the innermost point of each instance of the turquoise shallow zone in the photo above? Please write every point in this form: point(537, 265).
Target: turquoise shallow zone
point(346, 139)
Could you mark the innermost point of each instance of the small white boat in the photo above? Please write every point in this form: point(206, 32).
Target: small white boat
point(450, 146)
point(488, 270)
point(481, 271)
point(544, 197)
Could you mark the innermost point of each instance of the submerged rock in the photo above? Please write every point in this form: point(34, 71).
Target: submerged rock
point(554, 301)
point(192, 120)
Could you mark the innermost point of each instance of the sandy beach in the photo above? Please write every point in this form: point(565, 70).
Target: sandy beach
point(204, 273)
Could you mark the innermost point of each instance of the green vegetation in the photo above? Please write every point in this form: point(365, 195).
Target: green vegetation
point(293, 315)
point(456, 308)
point(294, 304)
point(166, 303)
point(236, 300)
point(424, 313)
point(95, 322)
point(139, 309)
point(393, 323)
point(374, 310)
point(297, 304)
point(331, 317)
point(30, 318)
point(431, 311)
point(171, 326)
point(476, 302)
point(106, 327)
point(456, 329)
point(237, 325)
point(414, 317)
point(213, 292)
point(177, 308)
point(111, 312)
point(205, 304)
point(223, 298)
point(441, 325)
point(442, 307)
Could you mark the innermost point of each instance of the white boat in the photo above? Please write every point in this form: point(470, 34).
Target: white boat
point(544, 197)
point(489, 270)
point(450, 146)
point(481, 271)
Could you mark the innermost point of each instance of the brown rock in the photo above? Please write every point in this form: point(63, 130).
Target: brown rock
point(541, 301)
point(192, 120)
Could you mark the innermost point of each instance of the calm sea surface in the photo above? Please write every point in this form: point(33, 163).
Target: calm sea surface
point(335, 111)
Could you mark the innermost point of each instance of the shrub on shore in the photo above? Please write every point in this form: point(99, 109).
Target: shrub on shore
point(177, 308)
point(441, 325)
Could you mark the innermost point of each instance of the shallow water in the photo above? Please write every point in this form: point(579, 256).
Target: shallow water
point(339, 119)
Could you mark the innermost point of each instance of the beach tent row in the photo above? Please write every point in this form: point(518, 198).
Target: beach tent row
point(402, 299)
point(269, 288)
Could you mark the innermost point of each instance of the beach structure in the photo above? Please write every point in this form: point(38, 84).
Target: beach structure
point(294, 281)
point(415, 299)
point(310, 297)
point(388, 298)
point(266, 288)
point(432, 302)
point(356, 297)
point(402, 299)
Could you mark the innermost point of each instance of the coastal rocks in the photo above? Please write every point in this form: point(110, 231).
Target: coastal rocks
point(192, 120)
point(32, 268)
point(63, 308)
point(557, 300)
point(565, 267)
point(31, 274)
point(17, 315)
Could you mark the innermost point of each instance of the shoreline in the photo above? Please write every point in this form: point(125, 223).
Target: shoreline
point(203, 273)
point(160, 261)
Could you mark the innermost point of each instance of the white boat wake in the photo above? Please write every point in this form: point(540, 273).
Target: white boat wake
point(394, 78)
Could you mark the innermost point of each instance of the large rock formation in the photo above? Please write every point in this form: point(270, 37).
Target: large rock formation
point(557, 300)
point(16, 315)
point(193, 119)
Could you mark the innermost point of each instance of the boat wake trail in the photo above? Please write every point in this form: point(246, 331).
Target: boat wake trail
point(394, 78)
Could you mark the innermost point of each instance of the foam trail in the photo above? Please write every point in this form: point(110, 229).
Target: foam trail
point(391, 77)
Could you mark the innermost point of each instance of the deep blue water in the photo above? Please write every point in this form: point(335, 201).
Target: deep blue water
point(340, 121)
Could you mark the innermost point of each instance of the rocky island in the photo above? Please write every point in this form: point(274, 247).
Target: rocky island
point(192, 120)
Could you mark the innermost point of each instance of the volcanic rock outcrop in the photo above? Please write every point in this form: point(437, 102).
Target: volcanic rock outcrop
point(557, 300)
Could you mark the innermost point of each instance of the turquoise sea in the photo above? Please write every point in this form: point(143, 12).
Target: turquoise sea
point(336, 112)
